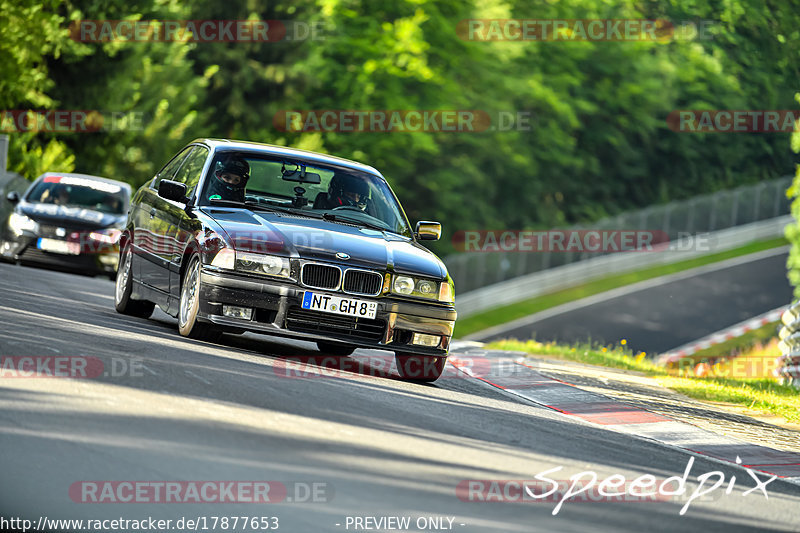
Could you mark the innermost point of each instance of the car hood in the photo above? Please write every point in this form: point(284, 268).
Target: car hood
point(73, 217)
point(321, 240)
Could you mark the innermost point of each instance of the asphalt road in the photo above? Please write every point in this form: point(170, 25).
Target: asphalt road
point(661, 314)
point(167, 409)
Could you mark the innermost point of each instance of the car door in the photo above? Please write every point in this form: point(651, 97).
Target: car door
point(184, 225)
point(151, 234)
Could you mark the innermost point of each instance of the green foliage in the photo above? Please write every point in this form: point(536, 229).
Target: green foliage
point(150, 86)
point(793, 229)
point(31, 34)
point(598, 141)
point(32, 159)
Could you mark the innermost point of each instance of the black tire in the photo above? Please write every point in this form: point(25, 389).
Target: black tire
point(420, 368)
point(189, 308)
point(123, 284)
point(332, 348)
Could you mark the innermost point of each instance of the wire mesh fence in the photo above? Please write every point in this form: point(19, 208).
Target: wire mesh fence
point(702, 214)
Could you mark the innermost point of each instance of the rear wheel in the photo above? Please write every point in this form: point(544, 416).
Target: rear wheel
point(188, 323)
point(124, 285)
point(332, 348)
point(420, 368)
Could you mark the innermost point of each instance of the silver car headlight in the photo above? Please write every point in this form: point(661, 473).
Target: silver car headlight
point(18, 223)
point(271, 265)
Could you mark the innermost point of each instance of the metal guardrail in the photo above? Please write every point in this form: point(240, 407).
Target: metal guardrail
point(554, 279)
point(686, 351)
point(788, 370)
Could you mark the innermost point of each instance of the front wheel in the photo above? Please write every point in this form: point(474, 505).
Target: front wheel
point(123, 302)
point(188, 323)
point(420, 368)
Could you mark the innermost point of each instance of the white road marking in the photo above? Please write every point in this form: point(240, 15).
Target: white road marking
point(145, 367)
point(197, 377)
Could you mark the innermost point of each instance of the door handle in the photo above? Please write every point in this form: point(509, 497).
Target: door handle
point(153, 212)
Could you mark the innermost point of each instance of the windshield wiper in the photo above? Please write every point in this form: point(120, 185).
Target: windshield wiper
point(340, 218)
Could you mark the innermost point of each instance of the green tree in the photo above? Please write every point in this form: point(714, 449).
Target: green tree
point(793, 229)
point(31, 34)
point(151, 98)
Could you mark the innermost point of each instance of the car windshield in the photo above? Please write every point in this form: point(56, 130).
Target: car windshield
point(80, 192)
point(340, 194)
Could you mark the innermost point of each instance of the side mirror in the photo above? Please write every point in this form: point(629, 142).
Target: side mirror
point(428, 231)
point(13, 197)
point(172, 190)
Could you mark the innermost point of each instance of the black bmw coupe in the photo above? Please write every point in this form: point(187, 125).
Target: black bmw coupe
point(238, 236)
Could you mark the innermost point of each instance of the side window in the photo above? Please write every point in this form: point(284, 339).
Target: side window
point(191, 170)
point(169, 169)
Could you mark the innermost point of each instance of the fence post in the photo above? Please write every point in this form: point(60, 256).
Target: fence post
point(735, 208)
point(713, 222)
point(757, 202)
point(777, 204)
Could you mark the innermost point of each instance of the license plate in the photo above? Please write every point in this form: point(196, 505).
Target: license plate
point(339, 305)
point(59, 247)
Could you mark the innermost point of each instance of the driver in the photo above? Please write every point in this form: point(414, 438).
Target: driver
point(347, 190)
point(229, 179)
point(58, 195)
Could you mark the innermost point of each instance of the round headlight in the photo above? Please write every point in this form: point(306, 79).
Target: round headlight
point(271, 265)
point(403, 285)
point(426, 287)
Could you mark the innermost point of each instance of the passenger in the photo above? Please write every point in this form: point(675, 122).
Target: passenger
point(62, 196)
point(344, 190)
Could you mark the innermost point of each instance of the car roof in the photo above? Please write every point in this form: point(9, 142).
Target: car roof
point(271, 149)
point(86, 177)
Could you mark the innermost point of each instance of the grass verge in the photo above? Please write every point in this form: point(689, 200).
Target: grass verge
point(502, 315)
point(756, 392)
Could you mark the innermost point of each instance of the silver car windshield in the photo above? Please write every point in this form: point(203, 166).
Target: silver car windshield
point(80, 192)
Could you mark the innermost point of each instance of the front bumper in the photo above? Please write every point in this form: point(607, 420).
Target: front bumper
point(100, 259)
point(277, 310)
